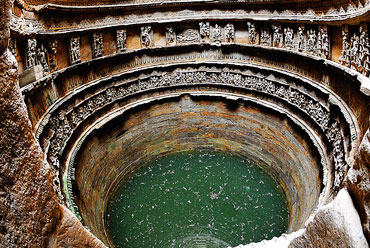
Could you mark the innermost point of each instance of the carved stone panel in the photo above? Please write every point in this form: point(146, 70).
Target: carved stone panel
point(146, 36)
point(204, 31)
point(188, 36)
point(74, 50)
point(229, 32)
point(42, 58)
point(277, 37)
point(31, 53)
point(265, 38)
point(289, 38)
point(53, 44)
point(216, 35)
point(311, 44)
point(170, 36)
point(121, 40)
point(301, 43)
point(97, 45)
point(252, 33)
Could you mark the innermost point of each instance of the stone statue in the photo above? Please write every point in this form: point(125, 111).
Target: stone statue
point(204, 31)
point(325, 43)
point(354, 52)
point(229, 32)
point(289, 38)
point(31, 53)
point(311, 41)
point(121, 40)
point(146, 36)
point(277, 38)
point(252, 34)
point(13, 46)
point(97, 45)
point(301, 39)
point(318, 48)
point(53, 55)
point(170, 36)
point(216, 35)
point(42, 59)
point(74, 50)
point(265, 36)
point(344, 57)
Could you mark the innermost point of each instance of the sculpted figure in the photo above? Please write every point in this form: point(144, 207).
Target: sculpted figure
point(265, 36)
point(170, 36)
point(325, 43)
point(252, 32)
point(31, 53)
point(74, 48)
point(41, 58)
point(301, 39)
point(204, 30)
point(146, 36)
point(216, 35)
point(318, 49)
point(354, 52)
point(344, 58)
point(277, 38)
point(121, 40)
point(289, 38)
point(229, 32)
point(97, 45)
point(53, 55)
point(311, 41)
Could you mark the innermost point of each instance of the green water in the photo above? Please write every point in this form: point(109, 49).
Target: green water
point(197, 199)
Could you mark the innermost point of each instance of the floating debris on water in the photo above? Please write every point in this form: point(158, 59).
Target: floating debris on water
point(196, 199)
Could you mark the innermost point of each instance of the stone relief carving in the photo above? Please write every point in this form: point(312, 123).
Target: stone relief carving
point(344, 58)
point(188, 36)
point(146, 36)
point(31, 53)
point(325, 50)
point(229, 32)
point(42, 58)
point(265, 38)
point(13, 46)
point(121, 37)
point(170, 36)
point(53, 44)
point(63, 125)
point(97, 45)
point(311, 41)
point(216, 35)
point(301, 38)
point(289, 38)
point(277, 37)
point(74, 50)
point(204, 31)
point(252, 33)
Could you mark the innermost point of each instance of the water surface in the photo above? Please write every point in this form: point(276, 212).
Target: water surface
point(197, 199)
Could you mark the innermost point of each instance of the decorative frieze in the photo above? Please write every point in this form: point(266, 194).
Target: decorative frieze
point(74, 50)
point(97, 45)
point(146, 36)
point(121, 37)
